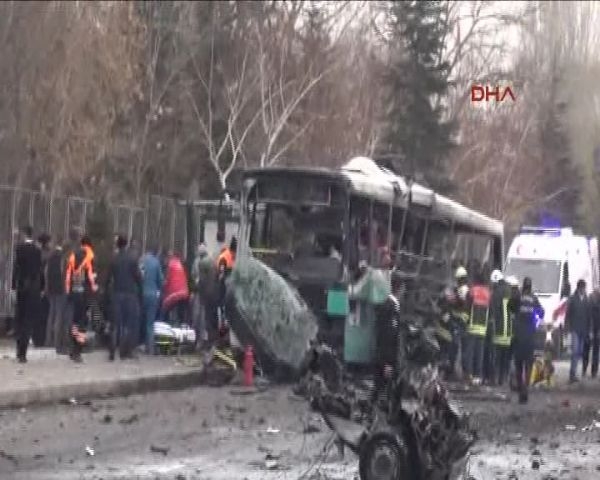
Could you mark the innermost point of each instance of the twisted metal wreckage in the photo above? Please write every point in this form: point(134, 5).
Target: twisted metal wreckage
point(413, 431)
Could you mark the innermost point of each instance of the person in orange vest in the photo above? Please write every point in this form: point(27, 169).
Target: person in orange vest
point(225, 264)
point(477, 327)
point(80, 281)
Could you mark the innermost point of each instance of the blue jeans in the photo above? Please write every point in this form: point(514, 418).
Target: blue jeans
point(473, 355)
point(126, 318)
point(577, 341)
point(151, 304)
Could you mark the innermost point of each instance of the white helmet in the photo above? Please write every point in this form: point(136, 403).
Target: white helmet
point(496, 276)
point(512, 281)
point(461, 272)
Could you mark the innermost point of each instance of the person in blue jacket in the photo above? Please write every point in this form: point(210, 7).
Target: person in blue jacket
point(152, 282)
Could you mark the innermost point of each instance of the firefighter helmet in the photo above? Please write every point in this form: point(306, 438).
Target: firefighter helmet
point(461, 272)
point(496, 276)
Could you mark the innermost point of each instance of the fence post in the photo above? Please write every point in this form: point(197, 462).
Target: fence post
point(67, 216)
point(85, 222)
point(145, 227)
point(130, 226)
point(31, 197)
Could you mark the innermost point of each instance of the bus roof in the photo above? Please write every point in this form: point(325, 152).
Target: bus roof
point(365, 177)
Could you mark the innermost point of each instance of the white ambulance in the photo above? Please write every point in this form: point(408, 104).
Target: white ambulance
point(555, 259)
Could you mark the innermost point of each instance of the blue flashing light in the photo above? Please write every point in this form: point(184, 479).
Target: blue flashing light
point(548, 221)
point(538, 315)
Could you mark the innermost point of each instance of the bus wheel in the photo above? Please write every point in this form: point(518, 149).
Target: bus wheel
point(382, 457)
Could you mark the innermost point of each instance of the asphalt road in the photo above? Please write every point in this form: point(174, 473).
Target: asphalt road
point(217, 434)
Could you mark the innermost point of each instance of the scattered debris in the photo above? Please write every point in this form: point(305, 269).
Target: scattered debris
point(271, 463)
point(90, 451)
point(591, 426)
point(231, 409)
point(129, 420)
point(9, 457)
point(311, 428)
point(159, 449)
point(244, 392)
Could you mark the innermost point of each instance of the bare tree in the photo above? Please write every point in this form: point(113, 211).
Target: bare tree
point(279, 100)
point(226, 95)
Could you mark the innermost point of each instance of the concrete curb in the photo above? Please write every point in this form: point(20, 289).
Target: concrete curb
point(106, 388)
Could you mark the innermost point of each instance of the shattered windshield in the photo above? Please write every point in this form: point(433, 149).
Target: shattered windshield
point(299, 232)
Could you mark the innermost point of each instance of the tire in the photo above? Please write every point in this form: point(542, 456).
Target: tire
point(384, 457)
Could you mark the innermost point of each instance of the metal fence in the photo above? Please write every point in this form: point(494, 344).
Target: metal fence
point(162, 221)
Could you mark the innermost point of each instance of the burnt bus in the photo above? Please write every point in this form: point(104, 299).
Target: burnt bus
point(314, 227)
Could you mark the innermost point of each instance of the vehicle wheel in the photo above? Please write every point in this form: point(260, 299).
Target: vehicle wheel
point(382, 457)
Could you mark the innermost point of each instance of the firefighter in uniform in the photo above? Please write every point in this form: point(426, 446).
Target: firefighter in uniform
point(477, 328)
point(80, 281)
point(225, 264)
point(460, 312)
point(503, 326)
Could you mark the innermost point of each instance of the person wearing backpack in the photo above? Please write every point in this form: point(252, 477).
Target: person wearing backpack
point(55, 292)
point(79, 283)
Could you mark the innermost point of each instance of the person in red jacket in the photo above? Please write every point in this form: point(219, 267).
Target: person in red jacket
point(176, 293)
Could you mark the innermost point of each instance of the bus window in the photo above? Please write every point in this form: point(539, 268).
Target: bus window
point(380, 253)
point(414, 233)
point(359, 232)
point(438, 246)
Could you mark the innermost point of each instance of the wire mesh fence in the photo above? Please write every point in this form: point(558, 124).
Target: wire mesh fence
point(162, 222)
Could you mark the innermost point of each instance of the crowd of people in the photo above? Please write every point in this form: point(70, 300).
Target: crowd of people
point(58, 291)
point(496, 321)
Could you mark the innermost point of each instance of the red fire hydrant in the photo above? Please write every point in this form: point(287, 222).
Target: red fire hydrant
point(249, 366)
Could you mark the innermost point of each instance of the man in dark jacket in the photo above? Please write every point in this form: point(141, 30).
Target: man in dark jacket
point(125, 278)
point(578, 323)
point(28, 282)
point(386, 339)
point(39, 333)
point(204, 278)
point(593, 344)
point(56, 330)
point(526, 308)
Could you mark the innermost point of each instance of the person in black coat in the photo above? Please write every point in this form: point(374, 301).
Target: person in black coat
point(57, 330)
point(578, 323)
point(386, 339)
point(526, 307)
point(39, 332)
point(593, 344)
point(28, 282)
